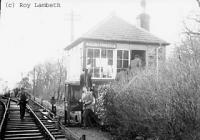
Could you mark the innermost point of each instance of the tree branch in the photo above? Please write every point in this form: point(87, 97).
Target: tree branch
point(198, 1)
point(190, 32)
point(193, 33)
point(195, 19)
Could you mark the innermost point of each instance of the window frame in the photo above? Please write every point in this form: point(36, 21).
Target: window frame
point(122, 59)
point(100, 57)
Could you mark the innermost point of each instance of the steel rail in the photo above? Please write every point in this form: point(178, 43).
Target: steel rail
point(68, 133)
point(51, 114)
point(3, 110)
point(4, 118)
point(47, 133)
point(41, 124)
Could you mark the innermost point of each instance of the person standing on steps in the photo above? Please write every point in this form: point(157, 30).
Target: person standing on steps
point(22, 103)
point(89, 117)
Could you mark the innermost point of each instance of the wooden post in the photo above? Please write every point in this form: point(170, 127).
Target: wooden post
point(83, 137)
point(69, 106)
point(65, 109)
point(65, 112)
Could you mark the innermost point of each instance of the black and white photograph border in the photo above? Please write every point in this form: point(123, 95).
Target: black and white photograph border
point(100, 69)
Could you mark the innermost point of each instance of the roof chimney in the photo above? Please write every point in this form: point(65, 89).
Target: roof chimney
point(143, 19)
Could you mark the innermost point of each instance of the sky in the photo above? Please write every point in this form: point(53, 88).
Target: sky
point(29, 36)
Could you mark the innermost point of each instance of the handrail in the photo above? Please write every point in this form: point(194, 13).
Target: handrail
point(43, 126)
point(3, 121)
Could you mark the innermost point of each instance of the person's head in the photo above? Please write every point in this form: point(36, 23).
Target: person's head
point(90, 71)
point(85, 70)
point(137, 56)
point(84, 89)
point(23, 90)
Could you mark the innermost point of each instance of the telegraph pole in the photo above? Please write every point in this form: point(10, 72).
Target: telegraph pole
point(143, 5)
point(72, 25)
point(72, 17)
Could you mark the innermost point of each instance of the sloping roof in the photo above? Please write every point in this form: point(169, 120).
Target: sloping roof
point(118, 30)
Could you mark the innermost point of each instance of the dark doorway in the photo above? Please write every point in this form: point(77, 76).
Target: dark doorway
point(141, 54)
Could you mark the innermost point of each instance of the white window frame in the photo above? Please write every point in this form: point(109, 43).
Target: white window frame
point(100, 58)
point(122, 57)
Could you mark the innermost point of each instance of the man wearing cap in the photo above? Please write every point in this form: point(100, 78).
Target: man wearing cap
point(136, 62)
point(22, 103)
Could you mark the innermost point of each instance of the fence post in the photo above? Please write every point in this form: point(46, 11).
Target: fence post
point(83, 137)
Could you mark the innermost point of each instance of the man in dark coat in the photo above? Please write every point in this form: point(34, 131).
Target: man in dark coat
point(16, 90)
point(22, 103)
point(86, 79)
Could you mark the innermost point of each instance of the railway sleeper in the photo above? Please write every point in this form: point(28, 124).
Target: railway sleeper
point(26, 138)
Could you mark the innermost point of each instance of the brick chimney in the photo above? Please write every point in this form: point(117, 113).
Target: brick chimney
point(143, 19)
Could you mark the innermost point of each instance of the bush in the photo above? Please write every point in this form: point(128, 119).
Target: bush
point(166, 107)
point(106, 106)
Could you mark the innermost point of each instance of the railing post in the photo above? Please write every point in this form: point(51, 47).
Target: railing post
point(68, 104)
point(65, 101)
point(83, 137)
point(65, 111)
point(53, 106)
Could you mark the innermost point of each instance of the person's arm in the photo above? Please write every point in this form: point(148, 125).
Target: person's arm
point(81, 80)
point(18, 101)
point(140, 63)
point(90, 80)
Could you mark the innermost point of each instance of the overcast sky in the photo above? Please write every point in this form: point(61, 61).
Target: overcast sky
point(29, 36)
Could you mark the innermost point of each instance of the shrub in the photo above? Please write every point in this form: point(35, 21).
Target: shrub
point(166, 107)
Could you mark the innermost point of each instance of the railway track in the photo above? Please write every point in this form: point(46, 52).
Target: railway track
point(21, 129)
point(37, 107)
point(32, 127)
point(47, 119)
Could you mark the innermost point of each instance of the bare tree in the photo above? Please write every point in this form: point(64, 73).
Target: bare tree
point(62, 73)
point(25, 83)
point(49, 79)
point(193, 28)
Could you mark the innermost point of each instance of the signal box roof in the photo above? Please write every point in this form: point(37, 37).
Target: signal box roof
point(115, 29)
